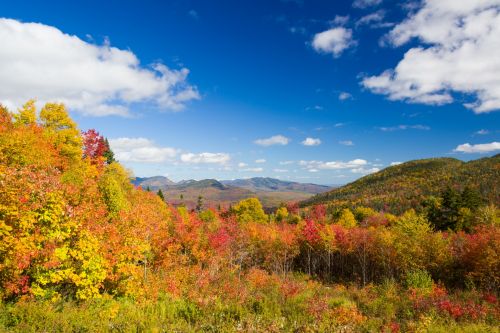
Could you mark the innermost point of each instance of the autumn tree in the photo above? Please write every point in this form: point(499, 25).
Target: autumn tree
point(250, 210)
point(62, 130)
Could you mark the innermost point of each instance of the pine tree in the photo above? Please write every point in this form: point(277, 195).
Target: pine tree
point(160, 194)
point(199, 204)
point(108, 153)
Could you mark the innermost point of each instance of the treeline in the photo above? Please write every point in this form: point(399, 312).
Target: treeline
point(73, 229)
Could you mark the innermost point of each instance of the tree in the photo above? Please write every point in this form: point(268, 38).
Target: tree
point(160, 194)
point(250, 210)
point(94, 146)
point(62, 130)
point(199, 204)
point(281, 214)
point(108, 153)
point(27, 114)
point(347, 218)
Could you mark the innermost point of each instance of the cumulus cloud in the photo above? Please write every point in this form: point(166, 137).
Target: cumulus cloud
point(347, 143)
point(457, 53)
point(478, 148)
point(242, 165)
point(140, 150)
point(365, 3)
point(260, 160)
point(333, 41)
point(311, 142)
point(205, 158)
point(274, 140)
point(333, 165)
point(395, 163)
point(404, 127)
point(42, 62)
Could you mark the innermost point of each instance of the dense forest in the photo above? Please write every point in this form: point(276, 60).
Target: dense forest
point(408, 185)
point(413, 248)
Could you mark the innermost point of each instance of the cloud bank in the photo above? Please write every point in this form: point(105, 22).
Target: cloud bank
point(42, 62)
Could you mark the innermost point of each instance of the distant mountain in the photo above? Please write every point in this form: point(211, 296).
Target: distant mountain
point(275, 185)
point(401, 187)
point(270, 191)
point(154, 183)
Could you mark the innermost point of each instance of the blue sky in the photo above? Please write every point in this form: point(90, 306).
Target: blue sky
point(234, 89)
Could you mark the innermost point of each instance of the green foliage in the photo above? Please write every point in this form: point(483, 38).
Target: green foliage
point(108, 153)
point(420, 280)
point(454, 210)
point(160, 194)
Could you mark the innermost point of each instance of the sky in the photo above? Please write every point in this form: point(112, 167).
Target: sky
point(311, 91)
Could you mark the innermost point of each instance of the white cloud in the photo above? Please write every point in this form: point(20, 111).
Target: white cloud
point(344, 96)
point(260, 160)
point(404, 127)
point(242, 165)
point(482, 132)
point(479, 148)
point(457, 53)
point(374, 20)
point(311, 142)
point(333, 41)
point(340, 20)
point(286, 162)
point(207, 158)
point(347, 143)
point(333, 165)
point(364, 171)
point(40, 61)
point(280, 170)
point(253, 169)
point(140, 150)
point(274, 140)
point(366, 3)
point(395, 163)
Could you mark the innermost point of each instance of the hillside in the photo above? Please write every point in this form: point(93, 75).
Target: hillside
point(401, 187)
point(270, 191)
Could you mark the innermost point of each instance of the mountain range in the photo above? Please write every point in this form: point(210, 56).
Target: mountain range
point(270, 191)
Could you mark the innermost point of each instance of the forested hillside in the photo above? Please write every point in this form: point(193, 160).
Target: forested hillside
point(83, 250)
point(405, 186)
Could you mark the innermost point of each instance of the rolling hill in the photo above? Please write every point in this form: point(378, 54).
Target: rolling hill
point(401, 187)
point(270, 191)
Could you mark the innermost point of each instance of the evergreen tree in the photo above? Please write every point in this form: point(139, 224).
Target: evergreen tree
point(108, 153)
point(199, 204)
point(160, 194)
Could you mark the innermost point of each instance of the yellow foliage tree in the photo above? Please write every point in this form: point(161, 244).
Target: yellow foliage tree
point(250, 210)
